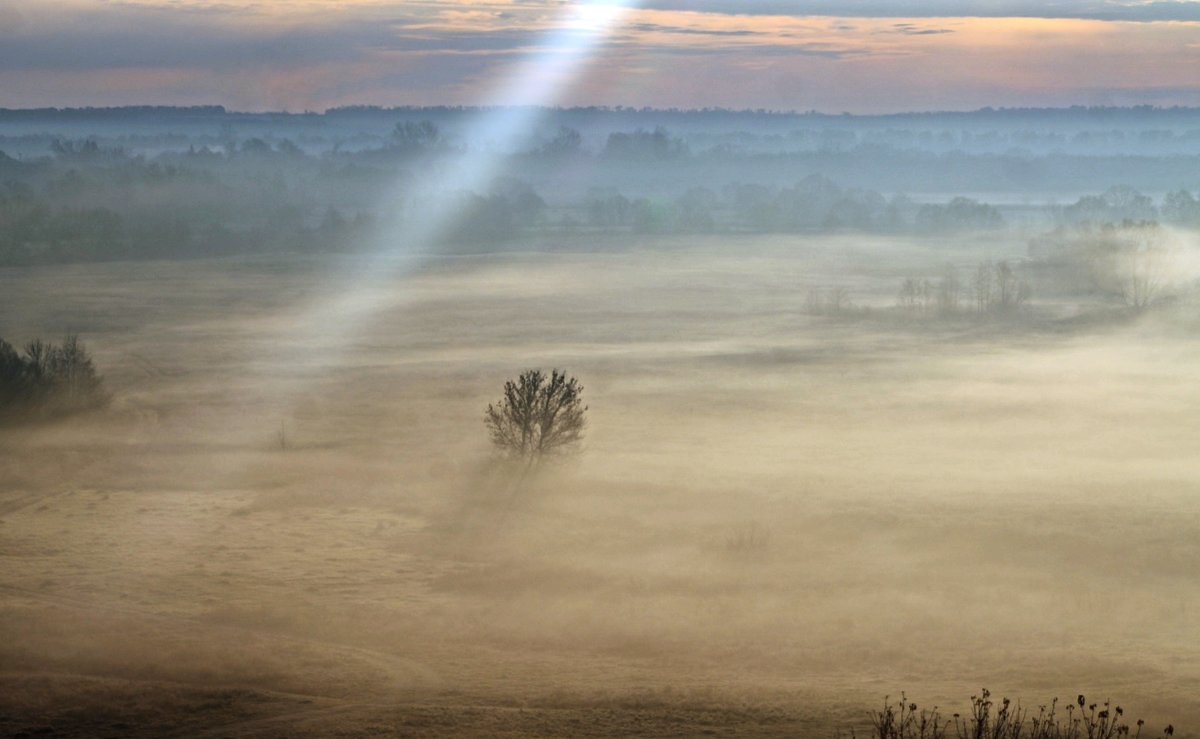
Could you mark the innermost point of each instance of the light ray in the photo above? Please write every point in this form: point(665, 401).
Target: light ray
point(326, 328)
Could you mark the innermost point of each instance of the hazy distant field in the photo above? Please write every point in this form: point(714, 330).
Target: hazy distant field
point(777, 520)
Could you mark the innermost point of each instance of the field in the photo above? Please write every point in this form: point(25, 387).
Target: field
point(288, 524)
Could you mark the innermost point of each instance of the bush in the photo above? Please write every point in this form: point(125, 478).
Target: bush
point(48, 381)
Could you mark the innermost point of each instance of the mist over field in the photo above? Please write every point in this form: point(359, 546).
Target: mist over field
point(870, 405)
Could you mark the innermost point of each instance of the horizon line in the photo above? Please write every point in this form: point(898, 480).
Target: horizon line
point(217, 108)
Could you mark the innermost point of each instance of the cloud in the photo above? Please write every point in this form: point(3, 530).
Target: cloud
point(123, 35)
point(316, 53)
point(222, 38)
point(1105, 10)
point(764, 51)
point(658, 28)
point(910, 29)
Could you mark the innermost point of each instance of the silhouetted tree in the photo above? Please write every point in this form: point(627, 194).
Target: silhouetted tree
point(539, 416)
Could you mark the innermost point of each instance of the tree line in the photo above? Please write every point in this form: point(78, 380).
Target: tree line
point(814, 203)
point(993, 288)
point(88, 202)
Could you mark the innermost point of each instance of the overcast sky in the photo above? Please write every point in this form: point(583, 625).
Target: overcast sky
point(827, 55)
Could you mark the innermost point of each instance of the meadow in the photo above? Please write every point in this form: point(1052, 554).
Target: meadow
point(284, 526)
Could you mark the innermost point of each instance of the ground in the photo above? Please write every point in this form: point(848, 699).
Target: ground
point(289, 523)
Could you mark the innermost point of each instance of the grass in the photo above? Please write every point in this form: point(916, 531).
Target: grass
point(988, 719)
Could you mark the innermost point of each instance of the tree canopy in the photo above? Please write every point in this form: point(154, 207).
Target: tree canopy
point(538, 416)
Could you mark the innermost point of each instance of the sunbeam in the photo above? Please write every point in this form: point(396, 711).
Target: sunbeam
point(326, 326)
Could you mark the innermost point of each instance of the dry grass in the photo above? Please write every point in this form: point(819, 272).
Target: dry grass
point(1004, 719)
point(776, 516)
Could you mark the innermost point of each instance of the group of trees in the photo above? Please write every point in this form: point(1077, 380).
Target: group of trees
point(48, 380)
point(960, 214)
point(828, 301)
point(1181, 208)
point(691, 213)
point(1113, 245)
point(997, 288)
point(994, 288)
point(642, 145)
point(510, 206)
point(1123, 203)
point(815, 202)
point(1128, 261)
point(411, 137)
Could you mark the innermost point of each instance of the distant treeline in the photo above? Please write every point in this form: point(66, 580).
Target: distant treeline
point(83, 201)
point(815, 203)
point(133, 113)
point(647, 152)
point(125, 114)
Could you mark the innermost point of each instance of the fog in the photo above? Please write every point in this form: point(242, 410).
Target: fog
point(914, 412)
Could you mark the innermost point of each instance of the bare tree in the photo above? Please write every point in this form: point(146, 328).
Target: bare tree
point(1142, 265)
point(539, 416)
point(910, 294)
point(814, 302)
point(982, 287)
point(834, 301)
point(927, 293)
point(75, 379)
point(1130, 260)
point(949, 291)
point(1006, 285)
point(838, 301)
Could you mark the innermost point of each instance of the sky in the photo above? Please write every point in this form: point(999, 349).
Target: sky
point(858, 56)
